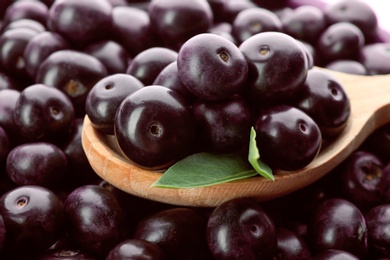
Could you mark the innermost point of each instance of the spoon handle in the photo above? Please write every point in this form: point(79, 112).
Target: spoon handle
point(370, 109)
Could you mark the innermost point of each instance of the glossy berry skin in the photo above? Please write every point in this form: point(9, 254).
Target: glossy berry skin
point(291, 246)
point(40, 47)
point(136, 249)
point(223, 29)
point(12, 45)
point(113, 55)
point(72, 72)
point(255, 20)
point(212, 67)
point(334, 254)
point(305, 23)
point(91, 20)
point(287, 138)
point(4, 145)
point(241, 229)
point(310, 54)
point(8, 99)
point(79, 171)
point(33, 10)
point(340, 41)
point(131, 28)
point(154, 127)
point(375, 58)
point(346, 224)
point(224, 125)
point(105, 97)
point(34, 219)
point(109, 227)
point(43, 113)
point(169, 77)
point(378, 223)
point(25, 23)
point(179, 232)
point(175, 21)
point(37, 163)
point(358, 13)
point(324, 99)
point(277, 67)
point(149, 63)
point(233, 7)
point(361, 178)
point(347, 66)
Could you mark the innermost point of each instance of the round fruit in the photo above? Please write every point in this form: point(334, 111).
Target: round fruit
point(169, 77)
point(155, 127)
point(40, 47)
point(212, 67)
point(37, 163)
point(33, 10)
point(347, 66)
point(96, 221)
point(113, 55)
point(34, 219)
point(43, 113)
point(175, 21)
point(291, 246)
point(12, 45)
point(137, 249)
point(80, 22)
point(287, 138)
point(338, 224)
point(131, 28)
point(224, 125)
point(378, 224)
point(304, 23)
point(340, 41)
point(149, 63)
point(361, 177)
point(277, 67)
point(105, 97)
point(179, 232)
point(325, 101)
point(375, 58)
point(241, 229)
point(358, 13)
point(252, 21)
point(72, 72)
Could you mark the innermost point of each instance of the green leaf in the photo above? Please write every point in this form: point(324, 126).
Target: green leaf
point(254, 158)
point(205, 169)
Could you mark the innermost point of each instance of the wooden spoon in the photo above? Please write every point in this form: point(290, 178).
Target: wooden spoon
point(370, 109)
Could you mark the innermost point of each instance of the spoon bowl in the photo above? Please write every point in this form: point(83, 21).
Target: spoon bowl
point(370, 109)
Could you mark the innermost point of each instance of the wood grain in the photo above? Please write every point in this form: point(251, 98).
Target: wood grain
point(370, 109)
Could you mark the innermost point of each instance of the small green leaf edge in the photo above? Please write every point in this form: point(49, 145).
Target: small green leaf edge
point(254, 158)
